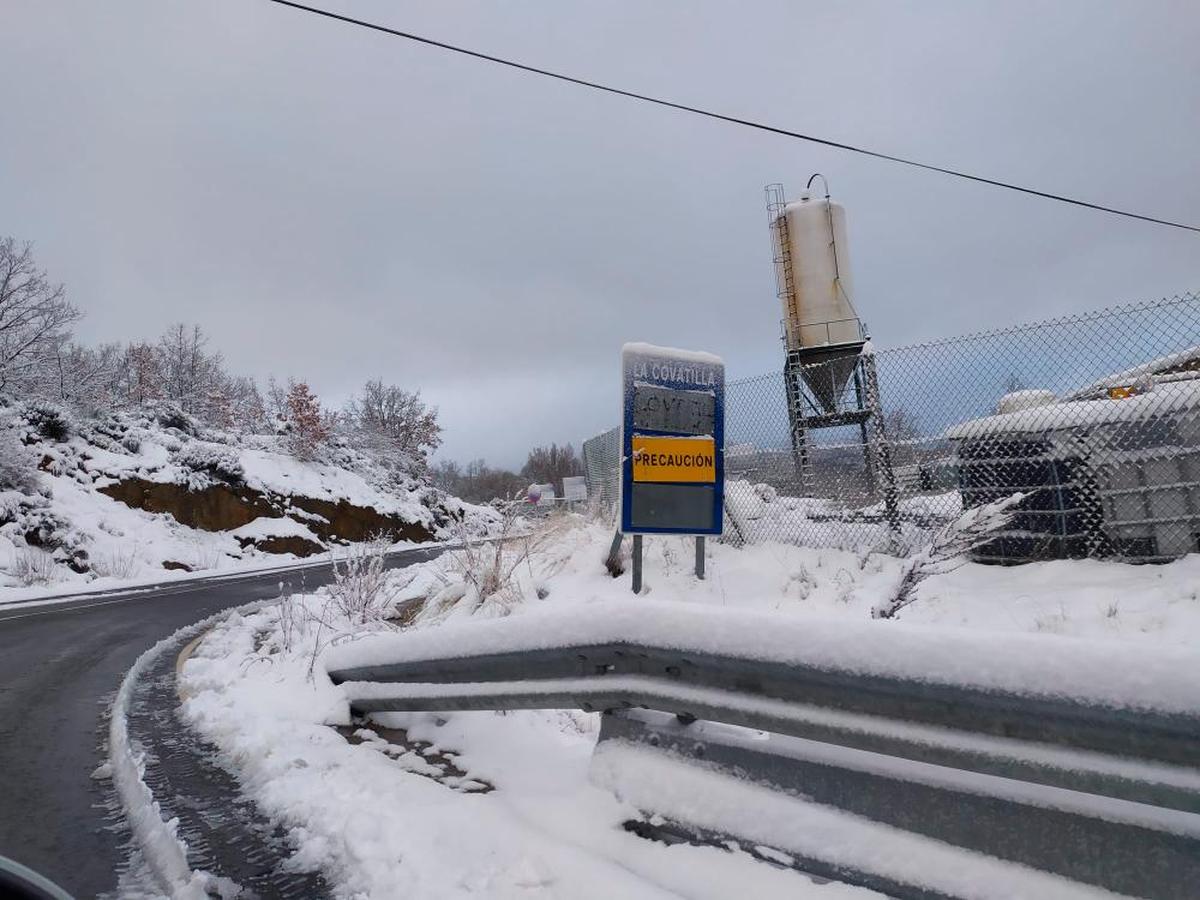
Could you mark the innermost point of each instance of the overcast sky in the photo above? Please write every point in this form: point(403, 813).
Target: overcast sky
point(338, 205)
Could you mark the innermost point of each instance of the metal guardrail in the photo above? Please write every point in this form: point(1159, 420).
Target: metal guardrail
point(1102, 795)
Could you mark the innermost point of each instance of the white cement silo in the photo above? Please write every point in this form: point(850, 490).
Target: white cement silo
point(820, 309)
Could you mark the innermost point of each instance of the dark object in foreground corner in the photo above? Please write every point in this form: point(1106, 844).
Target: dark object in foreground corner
point(18, 882)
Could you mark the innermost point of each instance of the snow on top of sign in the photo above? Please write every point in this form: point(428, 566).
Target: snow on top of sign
point(637, 348)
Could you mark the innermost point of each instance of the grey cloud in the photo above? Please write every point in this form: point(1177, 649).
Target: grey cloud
point(333, 204)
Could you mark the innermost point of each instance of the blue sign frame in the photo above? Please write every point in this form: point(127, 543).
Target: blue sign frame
point(644, 365)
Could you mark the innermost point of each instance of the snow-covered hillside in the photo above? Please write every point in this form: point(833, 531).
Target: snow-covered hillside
point(106, 500)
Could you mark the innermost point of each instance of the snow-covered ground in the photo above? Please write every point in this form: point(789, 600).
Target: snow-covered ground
point(1080, 598)
point(126, 546)
point(758, 513)
point(499, 805)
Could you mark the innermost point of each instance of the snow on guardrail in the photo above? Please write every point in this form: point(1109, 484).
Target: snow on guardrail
point(1098, 672)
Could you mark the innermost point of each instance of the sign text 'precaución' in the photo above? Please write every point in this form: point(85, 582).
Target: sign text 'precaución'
point(669, 459)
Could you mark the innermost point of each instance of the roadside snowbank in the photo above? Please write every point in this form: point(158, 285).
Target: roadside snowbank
point(446, 805)
point(382, 820)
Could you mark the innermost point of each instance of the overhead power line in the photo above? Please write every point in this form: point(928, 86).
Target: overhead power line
point(721, 117)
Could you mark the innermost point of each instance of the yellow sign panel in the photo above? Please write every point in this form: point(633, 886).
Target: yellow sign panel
point(675, 459)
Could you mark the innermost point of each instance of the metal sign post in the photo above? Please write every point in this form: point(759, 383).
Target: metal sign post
point(672, 446)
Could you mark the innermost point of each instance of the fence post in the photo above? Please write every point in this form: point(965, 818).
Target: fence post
point(882, 448)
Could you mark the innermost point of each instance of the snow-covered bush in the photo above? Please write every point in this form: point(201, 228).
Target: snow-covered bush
point(360, 591)
point(49, 420)
point(119, 563)
point(119, 431)
point(17, 466)
point(485, 577)
point(171, 415)
point(211, 462)
point(44, 528)
point(33, 566)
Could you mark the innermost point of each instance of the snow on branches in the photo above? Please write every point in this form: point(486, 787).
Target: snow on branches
point(35, 318)
point(394, 426)
point(17, 464)
point(307, 428)
point(949, 550)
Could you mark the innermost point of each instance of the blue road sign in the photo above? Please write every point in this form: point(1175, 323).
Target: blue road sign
point(672, 441)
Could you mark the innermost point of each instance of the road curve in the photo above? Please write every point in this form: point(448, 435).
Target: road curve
point(60, 665)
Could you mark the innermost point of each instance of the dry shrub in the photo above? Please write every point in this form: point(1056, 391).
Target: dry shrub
point(116, 564)
point(490, 569)
point(948, 550)
point(361, 590)
point(33, 567)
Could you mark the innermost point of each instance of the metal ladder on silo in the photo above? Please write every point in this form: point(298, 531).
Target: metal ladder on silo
point(785, 291)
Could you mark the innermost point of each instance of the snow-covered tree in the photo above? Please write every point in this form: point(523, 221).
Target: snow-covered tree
point(35, 320)
point(140, 381)
point(87, 377)
point(190, 374)
point(393, 425)
point(307, 425)
point(243, 403)
point(17, 464)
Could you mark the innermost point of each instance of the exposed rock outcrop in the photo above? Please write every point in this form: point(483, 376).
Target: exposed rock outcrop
point(217, 507)
point(224, 507)
point(344, 521)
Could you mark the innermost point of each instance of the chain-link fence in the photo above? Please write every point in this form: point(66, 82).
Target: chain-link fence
point(1095, 418)
point(602, 466)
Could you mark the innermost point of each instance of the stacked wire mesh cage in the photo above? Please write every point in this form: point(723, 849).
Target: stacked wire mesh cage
point(1112, 470)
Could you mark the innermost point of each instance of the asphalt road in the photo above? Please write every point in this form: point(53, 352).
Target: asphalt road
point(59, 668)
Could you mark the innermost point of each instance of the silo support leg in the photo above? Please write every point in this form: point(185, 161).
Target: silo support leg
point(883, 450)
